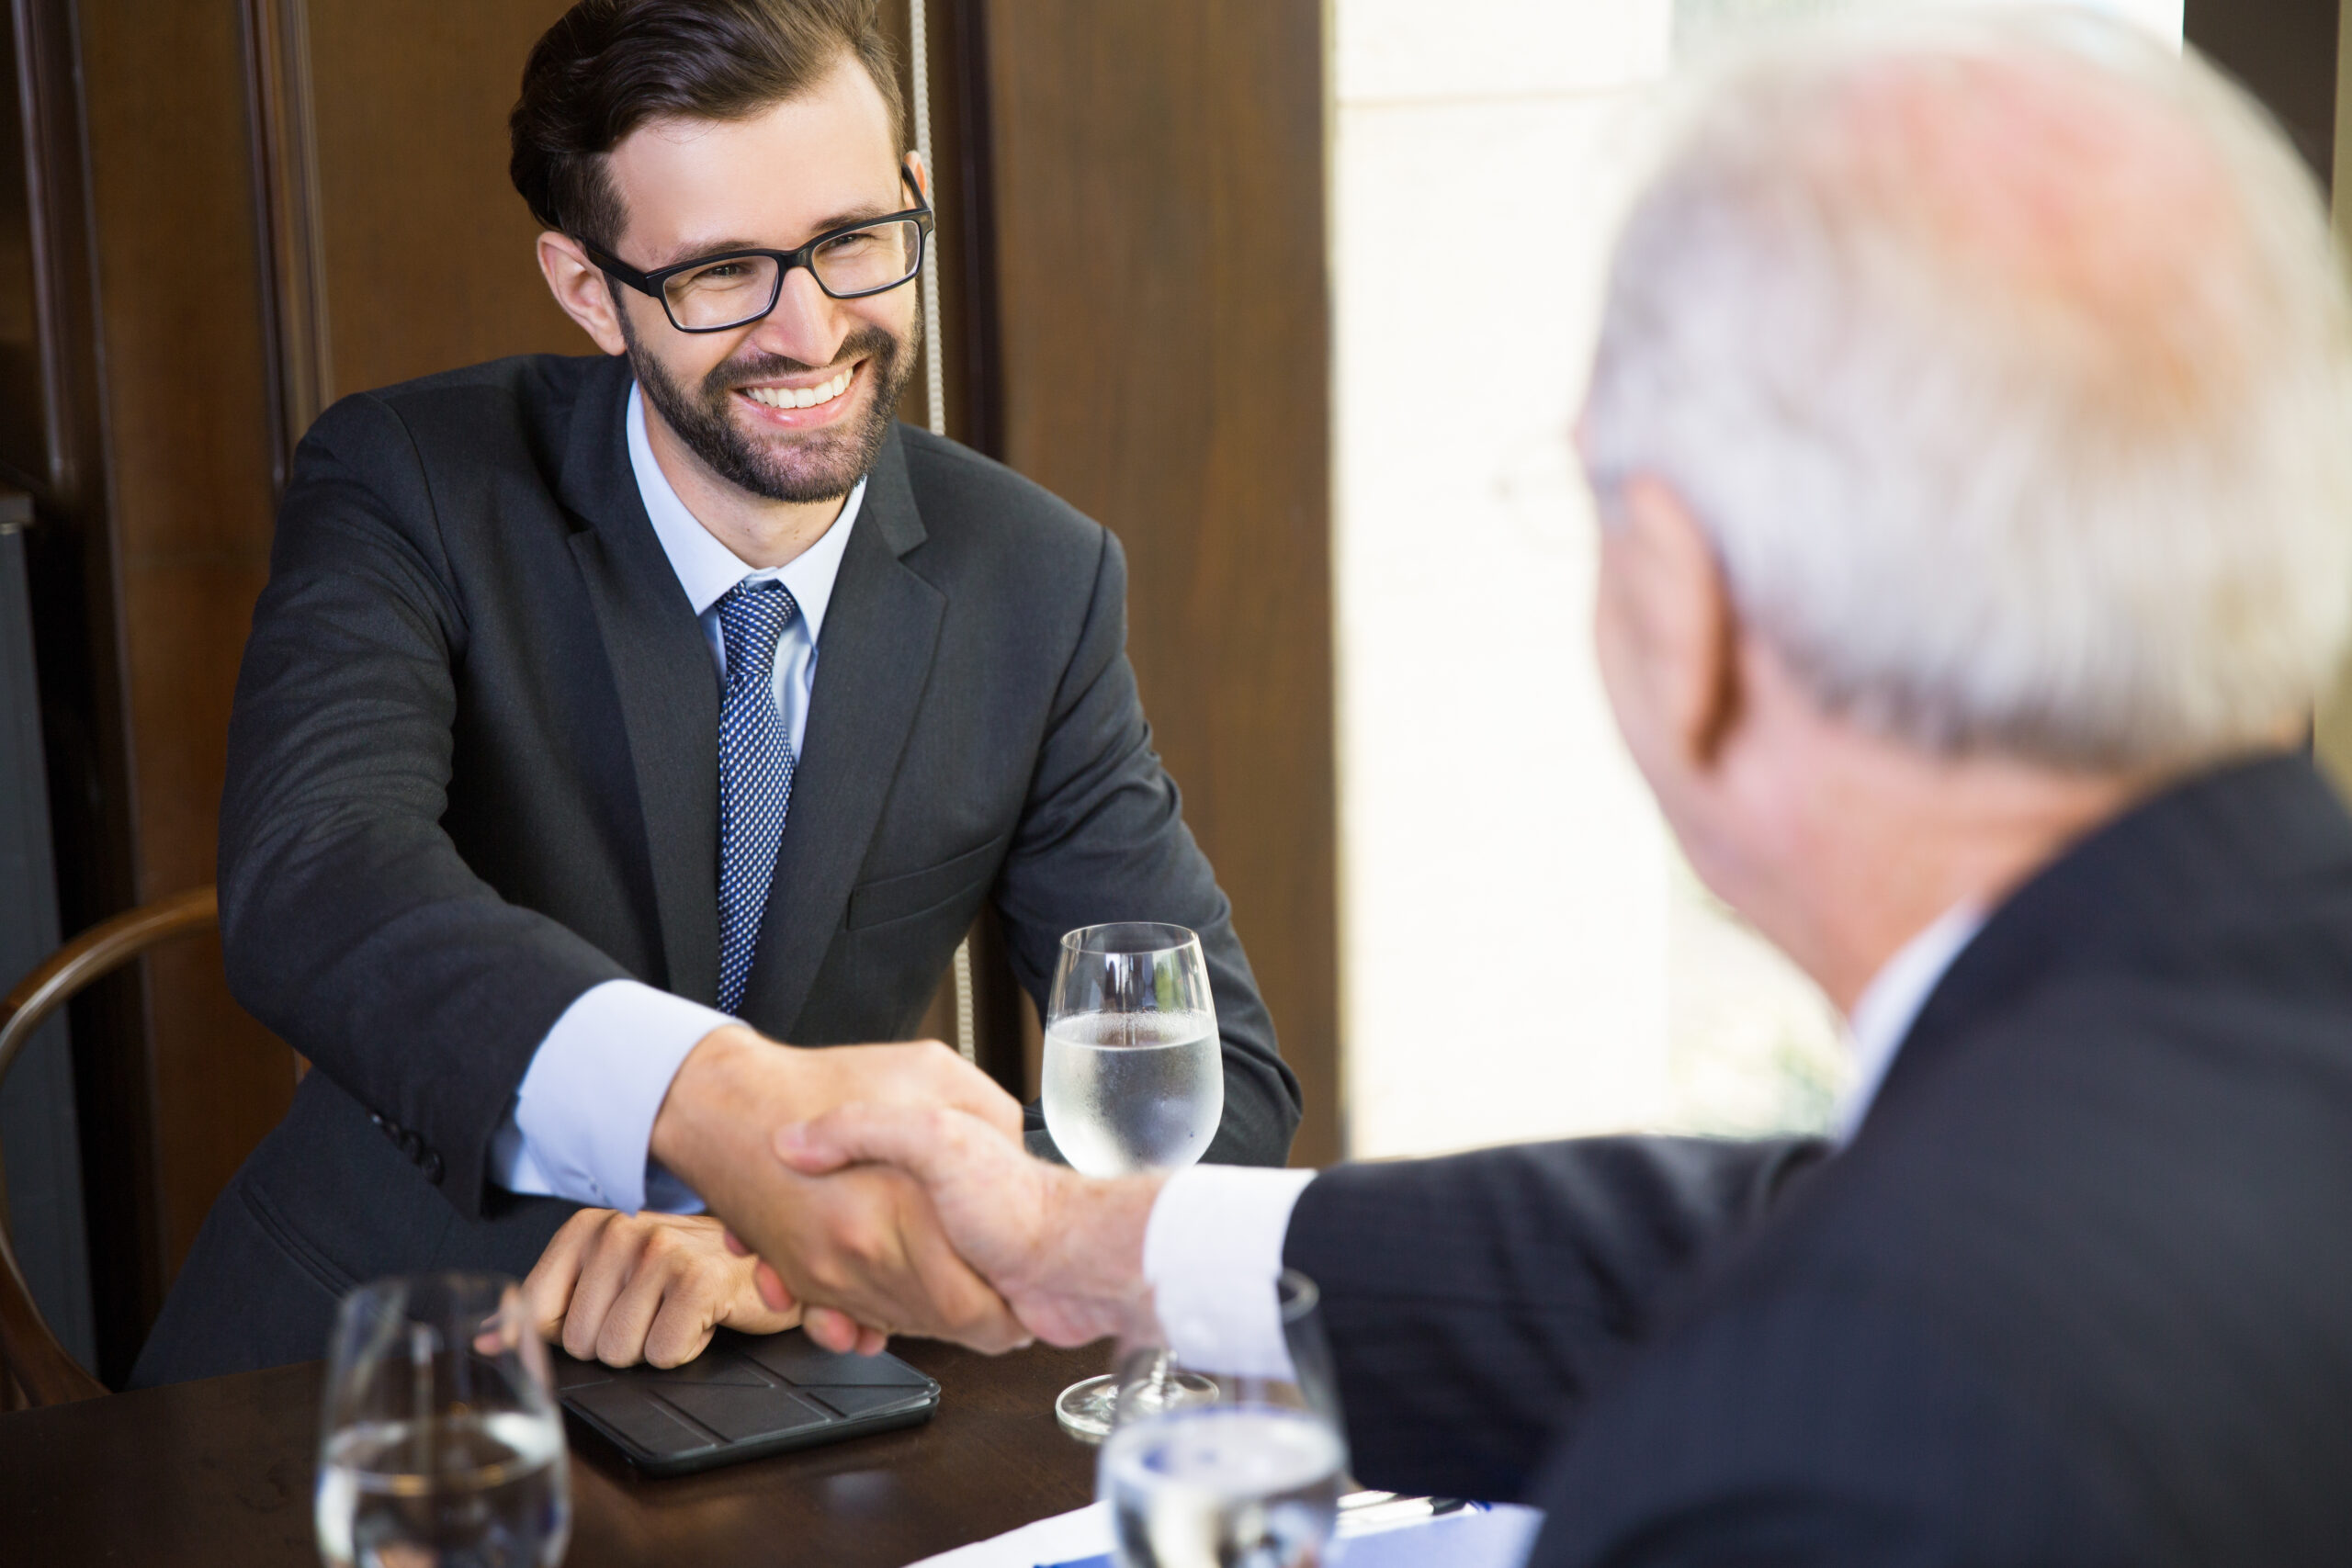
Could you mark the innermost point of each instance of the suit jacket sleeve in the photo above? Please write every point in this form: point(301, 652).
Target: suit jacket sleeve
point(350, 925)
point(1102, 838)
point(1474, 1302)
point(1822, 1424)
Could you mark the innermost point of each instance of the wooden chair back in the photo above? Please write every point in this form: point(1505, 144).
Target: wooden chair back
point(42, 1369)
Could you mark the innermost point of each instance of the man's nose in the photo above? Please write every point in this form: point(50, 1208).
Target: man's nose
point(807, 324)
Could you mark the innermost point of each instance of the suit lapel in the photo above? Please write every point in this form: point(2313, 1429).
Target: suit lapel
point(662, 669)
point(873, 660)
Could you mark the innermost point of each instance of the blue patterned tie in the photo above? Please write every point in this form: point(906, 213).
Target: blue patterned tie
point(754, 774)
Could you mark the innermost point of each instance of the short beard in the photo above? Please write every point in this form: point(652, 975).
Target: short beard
point(823, 466)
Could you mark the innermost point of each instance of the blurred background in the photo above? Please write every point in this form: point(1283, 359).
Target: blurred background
point(1201, 271)
point(1526, 954)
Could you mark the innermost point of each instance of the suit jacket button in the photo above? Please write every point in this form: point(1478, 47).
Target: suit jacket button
point(433, 1166)
point(411, 1144)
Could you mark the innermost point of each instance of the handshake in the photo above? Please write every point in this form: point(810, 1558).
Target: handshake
point(865, 1192)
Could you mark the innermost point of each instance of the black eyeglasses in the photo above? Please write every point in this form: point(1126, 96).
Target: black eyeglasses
point(711, 294)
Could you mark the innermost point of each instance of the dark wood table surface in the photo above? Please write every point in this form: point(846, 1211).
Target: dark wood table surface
point(220, 1473)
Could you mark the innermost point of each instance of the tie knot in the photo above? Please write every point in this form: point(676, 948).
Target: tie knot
point(752, 615)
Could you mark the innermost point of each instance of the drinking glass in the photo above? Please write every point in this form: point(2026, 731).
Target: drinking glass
point(1247, 1476)
point(440, 1446)
point(1134, 1077)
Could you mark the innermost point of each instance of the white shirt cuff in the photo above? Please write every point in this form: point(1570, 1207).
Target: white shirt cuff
point(1212, 1251)
point(583, 1116)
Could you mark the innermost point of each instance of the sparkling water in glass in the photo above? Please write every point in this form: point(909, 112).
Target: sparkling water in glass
point(1221, 1487)
point(1133, 1078)
point(1247, 1476)
point(440, 1446)
point(1129, 1091)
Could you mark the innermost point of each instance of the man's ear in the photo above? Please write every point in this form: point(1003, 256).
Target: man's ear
point(582, 288)
point(923, 177)
point(1680, 607)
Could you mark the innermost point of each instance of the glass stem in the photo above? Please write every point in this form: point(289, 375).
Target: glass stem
point(420, 1355)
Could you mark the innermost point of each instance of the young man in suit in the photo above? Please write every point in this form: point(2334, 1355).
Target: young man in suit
point(607, 722)
point(1971, 424)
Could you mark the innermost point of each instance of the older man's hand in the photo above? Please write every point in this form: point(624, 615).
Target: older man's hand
point(867, 1241)
point(627, 1288)
point(1065, 1251)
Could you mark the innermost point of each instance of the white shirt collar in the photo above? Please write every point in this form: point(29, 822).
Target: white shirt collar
point(705, 568)
point(1891, 1004)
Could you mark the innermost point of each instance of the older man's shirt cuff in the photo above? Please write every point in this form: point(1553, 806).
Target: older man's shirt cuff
point(1211, 1252)
point(583, 1118)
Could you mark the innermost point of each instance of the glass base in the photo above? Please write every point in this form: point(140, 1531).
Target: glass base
point(1087, 1408)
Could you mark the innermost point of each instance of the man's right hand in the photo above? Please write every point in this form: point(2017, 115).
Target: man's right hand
point(868, 1237)
point(1066, 1250)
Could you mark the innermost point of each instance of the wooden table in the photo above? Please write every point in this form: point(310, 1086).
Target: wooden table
point(220, 1471)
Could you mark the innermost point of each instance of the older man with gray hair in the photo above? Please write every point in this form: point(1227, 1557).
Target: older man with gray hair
point(1972, 424)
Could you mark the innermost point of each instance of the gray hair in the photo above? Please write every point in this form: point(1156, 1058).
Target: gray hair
point(1992, 462)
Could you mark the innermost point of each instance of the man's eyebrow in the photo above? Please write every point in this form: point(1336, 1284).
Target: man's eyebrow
point(696, 249)
point(850, 219)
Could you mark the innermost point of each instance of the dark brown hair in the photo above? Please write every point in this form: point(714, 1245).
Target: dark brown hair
point(609, 66)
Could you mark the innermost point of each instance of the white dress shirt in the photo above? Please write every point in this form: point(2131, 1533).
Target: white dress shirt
point(1213, 1246)
point(583, 1116)
point(1890, 1005)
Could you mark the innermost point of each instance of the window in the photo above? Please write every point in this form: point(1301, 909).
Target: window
point(1524, 952)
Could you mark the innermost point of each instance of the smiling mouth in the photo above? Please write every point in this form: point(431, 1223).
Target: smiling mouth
point(802, 397)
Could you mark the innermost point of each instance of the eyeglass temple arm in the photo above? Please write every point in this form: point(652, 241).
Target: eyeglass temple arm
point(610, 264)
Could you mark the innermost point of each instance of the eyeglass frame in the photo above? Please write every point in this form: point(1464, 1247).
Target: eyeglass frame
point(650, 283)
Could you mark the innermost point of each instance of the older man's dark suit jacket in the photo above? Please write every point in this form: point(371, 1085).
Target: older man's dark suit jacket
point(2079, 1292)
point(473, 772)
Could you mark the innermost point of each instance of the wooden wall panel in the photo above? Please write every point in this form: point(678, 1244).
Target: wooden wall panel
point(187, 460)
point(69, 557)
point(24, 429)
point(1163, 305)
point(2294, 55)
point(428, 252)
point(960, 251)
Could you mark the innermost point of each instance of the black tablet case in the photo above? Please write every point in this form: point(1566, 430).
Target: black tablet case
point(741, 1398)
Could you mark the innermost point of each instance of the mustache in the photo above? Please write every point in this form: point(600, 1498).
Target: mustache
point(867, 342)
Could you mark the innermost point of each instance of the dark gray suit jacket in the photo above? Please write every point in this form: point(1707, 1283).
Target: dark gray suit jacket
point(473, 772)
point(2078, 1292)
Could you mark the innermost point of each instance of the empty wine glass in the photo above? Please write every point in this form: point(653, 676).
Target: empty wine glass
point(1133, 1078)
point(1248, 1475)
point(440, 1446)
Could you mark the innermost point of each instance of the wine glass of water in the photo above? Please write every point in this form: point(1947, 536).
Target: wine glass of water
point(440, 1446)
point(1248, 1476)
point(1133, 1078)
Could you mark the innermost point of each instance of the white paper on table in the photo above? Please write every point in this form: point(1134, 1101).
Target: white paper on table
point(1062, 1539)
point(1494, 1537)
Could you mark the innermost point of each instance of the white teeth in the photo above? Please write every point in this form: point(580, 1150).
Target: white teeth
point(804, 396)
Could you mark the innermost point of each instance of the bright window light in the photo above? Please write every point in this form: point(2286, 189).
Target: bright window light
point(1524, 954)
